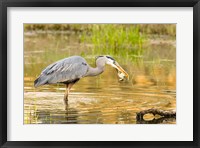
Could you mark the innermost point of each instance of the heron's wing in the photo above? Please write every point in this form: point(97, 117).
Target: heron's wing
point(68, 69)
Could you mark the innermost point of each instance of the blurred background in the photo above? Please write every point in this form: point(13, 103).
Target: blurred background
point(146, 51)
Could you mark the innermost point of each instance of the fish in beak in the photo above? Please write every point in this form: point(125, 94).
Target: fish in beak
point(121, 72)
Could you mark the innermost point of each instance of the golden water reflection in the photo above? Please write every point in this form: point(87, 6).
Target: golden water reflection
point(102, 99)
point(100, 103)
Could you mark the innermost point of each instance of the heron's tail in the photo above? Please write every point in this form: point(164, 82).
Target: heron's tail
point(36, 83)
point(40, 81)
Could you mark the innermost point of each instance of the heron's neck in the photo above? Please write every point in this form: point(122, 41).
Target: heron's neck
point(95, 71)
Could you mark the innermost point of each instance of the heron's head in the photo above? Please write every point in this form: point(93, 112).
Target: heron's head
point(111, 61)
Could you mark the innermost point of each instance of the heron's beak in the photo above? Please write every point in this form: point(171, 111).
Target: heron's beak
point(119, 68)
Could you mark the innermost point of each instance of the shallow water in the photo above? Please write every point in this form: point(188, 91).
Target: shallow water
point(99, 102)
point(102, 99)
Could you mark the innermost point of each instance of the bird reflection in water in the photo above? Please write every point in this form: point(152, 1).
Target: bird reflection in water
point(68, 116)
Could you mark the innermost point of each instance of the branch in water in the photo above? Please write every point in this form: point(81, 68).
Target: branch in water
point(167, 114)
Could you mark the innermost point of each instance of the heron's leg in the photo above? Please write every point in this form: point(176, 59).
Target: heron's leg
point(66, 95)
point(68, 87)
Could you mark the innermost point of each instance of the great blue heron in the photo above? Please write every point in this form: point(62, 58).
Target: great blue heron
point(70, 70)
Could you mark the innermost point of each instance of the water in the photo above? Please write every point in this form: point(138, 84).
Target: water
point(102, 99)
point(105, 101)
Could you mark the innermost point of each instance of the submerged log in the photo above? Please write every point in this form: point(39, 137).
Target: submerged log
point(166, 114)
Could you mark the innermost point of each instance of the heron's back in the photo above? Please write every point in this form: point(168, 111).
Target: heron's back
point(66, 70)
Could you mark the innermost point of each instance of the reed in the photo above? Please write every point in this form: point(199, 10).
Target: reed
point(122, 41)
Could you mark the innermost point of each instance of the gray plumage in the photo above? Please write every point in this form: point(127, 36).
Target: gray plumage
point(65, 71)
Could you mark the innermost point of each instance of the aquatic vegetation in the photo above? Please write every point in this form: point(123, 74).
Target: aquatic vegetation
point(122, 41)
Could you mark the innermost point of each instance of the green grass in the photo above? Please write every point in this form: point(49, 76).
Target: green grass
point(123, 42)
